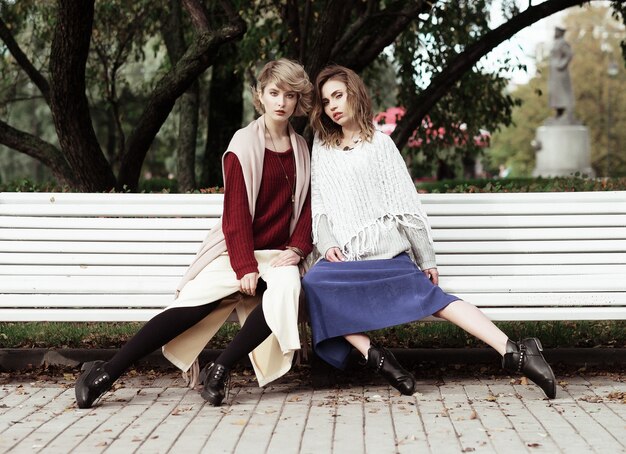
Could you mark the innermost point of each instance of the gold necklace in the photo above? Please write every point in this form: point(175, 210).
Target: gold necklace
point(292, 187)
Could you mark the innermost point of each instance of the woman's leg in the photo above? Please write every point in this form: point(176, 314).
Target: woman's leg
point(98, 376)
point(158, 331)
point(523, 357)
point(474, 321)
point(359, 341)
point(275, 314)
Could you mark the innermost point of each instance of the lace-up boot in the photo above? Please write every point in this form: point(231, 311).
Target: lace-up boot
point(214, 377)
point(525, 357)
point(92, 384)
point(382, 361)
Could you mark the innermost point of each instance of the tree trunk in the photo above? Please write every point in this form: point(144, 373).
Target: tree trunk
point(68, 102)
point(187, 134)
point(225, 113)
point(188, 104)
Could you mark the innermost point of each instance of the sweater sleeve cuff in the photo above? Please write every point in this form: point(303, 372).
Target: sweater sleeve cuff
point(325, 237)
point(242, 271)
point(427, 265)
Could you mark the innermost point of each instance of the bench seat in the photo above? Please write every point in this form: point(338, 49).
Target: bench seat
point(119, 257)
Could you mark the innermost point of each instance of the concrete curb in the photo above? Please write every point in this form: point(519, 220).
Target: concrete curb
point(16, 359)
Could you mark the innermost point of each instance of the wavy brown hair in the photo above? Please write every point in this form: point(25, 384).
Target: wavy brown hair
point(288, 75)
point(358, 99)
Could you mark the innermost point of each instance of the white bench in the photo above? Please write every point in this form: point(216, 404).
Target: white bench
point(119, 257)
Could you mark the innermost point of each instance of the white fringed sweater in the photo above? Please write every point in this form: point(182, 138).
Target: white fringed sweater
point(364, 201)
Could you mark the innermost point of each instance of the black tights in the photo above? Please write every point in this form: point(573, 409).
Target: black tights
point(165, 326)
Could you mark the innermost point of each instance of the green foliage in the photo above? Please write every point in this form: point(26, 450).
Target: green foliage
point(478, 100)
point(562, 184)
point(553, 334)
point(83, 335)
point(414, 335)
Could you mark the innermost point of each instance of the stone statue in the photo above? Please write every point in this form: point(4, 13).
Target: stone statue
point(560, 94)
point(562, 143)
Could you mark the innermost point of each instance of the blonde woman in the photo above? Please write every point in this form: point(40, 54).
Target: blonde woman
point(264, 234)
point(378, 267)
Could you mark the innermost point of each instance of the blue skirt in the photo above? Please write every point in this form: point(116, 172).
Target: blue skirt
point(354, 297)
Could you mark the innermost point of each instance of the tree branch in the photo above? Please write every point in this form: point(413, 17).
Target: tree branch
point(35, 76)
point(463, 62)
point(197, 58)
point(360, 54)
point(354, 28)
point(33, 146)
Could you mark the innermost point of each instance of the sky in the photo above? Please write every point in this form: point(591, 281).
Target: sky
point(523, 46)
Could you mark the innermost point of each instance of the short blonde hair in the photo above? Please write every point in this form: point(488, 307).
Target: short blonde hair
point(329, 132)
point(287, 75)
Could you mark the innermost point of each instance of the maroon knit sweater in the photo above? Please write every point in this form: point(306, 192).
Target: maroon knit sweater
point(270, 227)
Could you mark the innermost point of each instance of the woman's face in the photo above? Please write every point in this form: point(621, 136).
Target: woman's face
point(335, 102)
point(279, 104)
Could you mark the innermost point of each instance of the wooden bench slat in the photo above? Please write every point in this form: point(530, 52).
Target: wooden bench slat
point(100, 209)
point(25, 258)
point(528, 209)
point(152, 223)
point(92, 270)
point(59, 198)
point(529, 270)
point(531, 259)
point(161, 300)
point(503, 247)
point(179, 235)
point(518, 234)
point(522, 284)
point(105, 235)
point(452, 284)
point(526, 221)
point(112, 247)
point(89, 284)
point(130, 315)
point(441, 247)
point(525, 197)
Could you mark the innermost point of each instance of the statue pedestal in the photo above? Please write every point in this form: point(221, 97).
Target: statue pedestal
point(562, 151)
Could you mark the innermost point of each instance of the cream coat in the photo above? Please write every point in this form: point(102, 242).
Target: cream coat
point(270, 360)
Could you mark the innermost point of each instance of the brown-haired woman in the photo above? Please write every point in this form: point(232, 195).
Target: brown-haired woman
point(264, 233)
point(378, 267)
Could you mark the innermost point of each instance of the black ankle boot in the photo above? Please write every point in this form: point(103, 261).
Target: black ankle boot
point(92, 384)
point(214, 377)
point(383, 362)
point(525, 357)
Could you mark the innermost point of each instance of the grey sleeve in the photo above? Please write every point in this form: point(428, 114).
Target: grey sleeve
point(421, 247)
point(326, 240)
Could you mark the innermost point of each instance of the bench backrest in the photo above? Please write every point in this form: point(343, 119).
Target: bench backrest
point(114, 257)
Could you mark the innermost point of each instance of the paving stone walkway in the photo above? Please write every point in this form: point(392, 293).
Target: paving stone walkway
point(157, 414)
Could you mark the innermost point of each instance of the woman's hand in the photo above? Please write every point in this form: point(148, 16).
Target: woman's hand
point(286, 258)
point(248, 283)
point(432, 274)
point(334, 255)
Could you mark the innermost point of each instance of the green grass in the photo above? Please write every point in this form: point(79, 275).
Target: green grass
point(415, 335)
